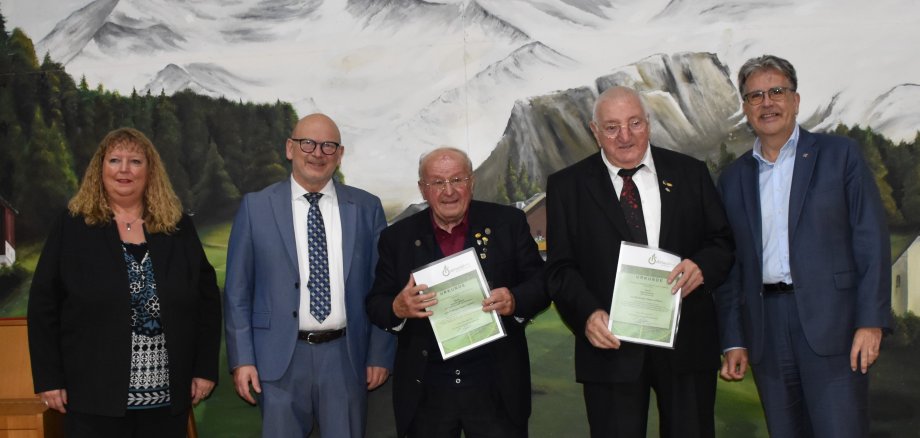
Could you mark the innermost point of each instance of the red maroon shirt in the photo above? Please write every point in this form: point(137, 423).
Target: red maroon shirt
point(452, 242)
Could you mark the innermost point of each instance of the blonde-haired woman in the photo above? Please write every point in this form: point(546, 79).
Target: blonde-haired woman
point(124, 310)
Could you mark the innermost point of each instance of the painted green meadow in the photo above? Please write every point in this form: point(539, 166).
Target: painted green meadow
point(558, 407)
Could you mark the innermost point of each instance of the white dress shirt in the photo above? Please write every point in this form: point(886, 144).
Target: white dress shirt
point(329, 207)
point(775, 180)
point(646, 180)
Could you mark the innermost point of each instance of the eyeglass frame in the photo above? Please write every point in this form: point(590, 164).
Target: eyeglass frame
point(635, 125)
point(322, 145)
point(441, 185)
point(778, 92)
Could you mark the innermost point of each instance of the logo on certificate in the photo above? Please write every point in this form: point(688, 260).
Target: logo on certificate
point(446, 271)
point(652, 260)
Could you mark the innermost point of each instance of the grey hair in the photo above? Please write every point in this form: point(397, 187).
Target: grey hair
point(616, 92)
point(767, 62)
point(440, 151)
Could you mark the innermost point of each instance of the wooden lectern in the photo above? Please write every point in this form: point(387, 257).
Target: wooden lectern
point(22, 413)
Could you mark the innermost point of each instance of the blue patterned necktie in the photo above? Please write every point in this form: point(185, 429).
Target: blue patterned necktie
point(318, 283)
point(631, 204)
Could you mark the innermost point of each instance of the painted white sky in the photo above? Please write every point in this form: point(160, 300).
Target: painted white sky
point(38, 17)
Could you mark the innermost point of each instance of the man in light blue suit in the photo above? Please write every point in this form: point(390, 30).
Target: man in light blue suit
point(809, 294)
point(299, 265)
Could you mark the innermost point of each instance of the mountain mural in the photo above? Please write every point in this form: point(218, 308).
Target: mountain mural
point(692, 104)
point(403, 76)
point(202, 78)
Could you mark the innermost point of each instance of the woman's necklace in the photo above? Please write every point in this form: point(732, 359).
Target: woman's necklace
point(129, 223)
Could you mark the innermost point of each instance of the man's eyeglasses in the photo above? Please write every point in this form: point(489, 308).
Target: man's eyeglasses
point(441, 185)
point(776, 94)
point(635, 126)
point(308, 145)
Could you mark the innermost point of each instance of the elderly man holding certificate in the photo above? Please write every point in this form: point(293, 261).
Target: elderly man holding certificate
point(634, 192)
point(458, 282)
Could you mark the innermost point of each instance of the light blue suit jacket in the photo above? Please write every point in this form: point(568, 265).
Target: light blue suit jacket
point(839, 248)
point(262, 291)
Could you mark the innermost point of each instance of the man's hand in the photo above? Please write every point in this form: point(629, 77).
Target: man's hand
point(376, 376)
point(410, 304)
point(500, 299)
point(243, 376)
point(201, 389)
point(597, 332)
point(689, 276)
point(55, 399)
point(734, 364)
point(865, 348)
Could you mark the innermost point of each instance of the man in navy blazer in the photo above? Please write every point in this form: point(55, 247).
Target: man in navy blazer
point(307, 366)
point(809, 294)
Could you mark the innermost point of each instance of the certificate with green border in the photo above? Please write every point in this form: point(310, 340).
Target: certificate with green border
point(457, 319)
point(643, 309)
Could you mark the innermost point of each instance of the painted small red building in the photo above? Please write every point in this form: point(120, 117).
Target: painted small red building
point(7, 233)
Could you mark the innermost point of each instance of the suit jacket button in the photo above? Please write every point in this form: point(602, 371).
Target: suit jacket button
point(425, 353)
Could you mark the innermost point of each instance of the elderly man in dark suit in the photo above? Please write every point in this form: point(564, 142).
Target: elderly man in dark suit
point(631, 191)
point(809, 295)
point(485, 391)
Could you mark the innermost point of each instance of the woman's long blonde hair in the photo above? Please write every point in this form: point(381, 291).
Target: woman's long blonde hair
point(162, 208)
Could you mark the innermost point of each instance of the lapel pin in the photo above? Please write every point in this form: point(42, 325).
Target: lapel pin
point(667, 185)
point(418, 243)
point(488, 231)
point(805, 155)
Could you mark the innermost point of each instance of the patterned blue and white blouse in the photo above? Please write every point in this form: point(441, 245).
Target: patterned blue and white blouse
point(149, 384)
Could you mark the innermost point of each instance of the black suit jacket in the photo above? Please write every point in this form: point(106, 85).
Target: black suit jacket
point(80, 315)
point(512, 261)
point(585, 226)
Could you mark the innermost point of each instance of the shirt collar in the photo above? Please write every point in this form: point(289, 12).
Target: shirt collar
point(463, 225)
point(787, 150)
point(297, 191)
point(646, 160)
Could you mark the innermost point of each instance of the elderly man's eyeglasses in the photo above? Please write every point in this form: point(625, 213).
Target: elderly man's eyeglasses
point(308, 145)
point(441, 185)
point(776, 94)
point(635, 126)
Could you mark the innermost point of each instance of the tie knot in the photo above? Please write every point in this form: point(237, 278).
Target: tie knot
point(628, 173)
point(312, 197)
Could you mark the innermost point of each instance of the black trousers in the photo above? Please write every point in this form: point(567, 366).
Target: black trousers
point(686, 402)
point(137, 423)
point(477, 410)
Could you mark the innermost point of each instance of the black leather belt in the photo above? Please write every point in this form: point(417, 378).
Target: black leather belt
point(778, 288)
point(319, 337)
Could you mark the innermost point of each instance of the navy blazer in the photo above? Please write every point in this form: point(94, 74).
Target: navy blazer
point(80, 320)
point(839, 248)
point(511, 261)
point(262, 291)
point(585, 226)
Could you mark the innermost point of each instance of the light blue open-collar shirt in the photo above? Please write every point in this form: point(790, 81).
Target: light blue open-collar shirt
point(775, 187)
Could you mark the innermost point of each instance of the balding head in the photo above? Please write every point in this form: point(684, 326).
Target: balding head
point(313, 169)
point(443, 153)
point(617, 93)
point(620, 127)
point(317, 122)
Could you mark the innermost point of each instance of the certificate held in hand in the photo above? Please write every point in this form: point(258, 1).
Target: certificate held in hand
point(458, 322)
point(643, 309)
